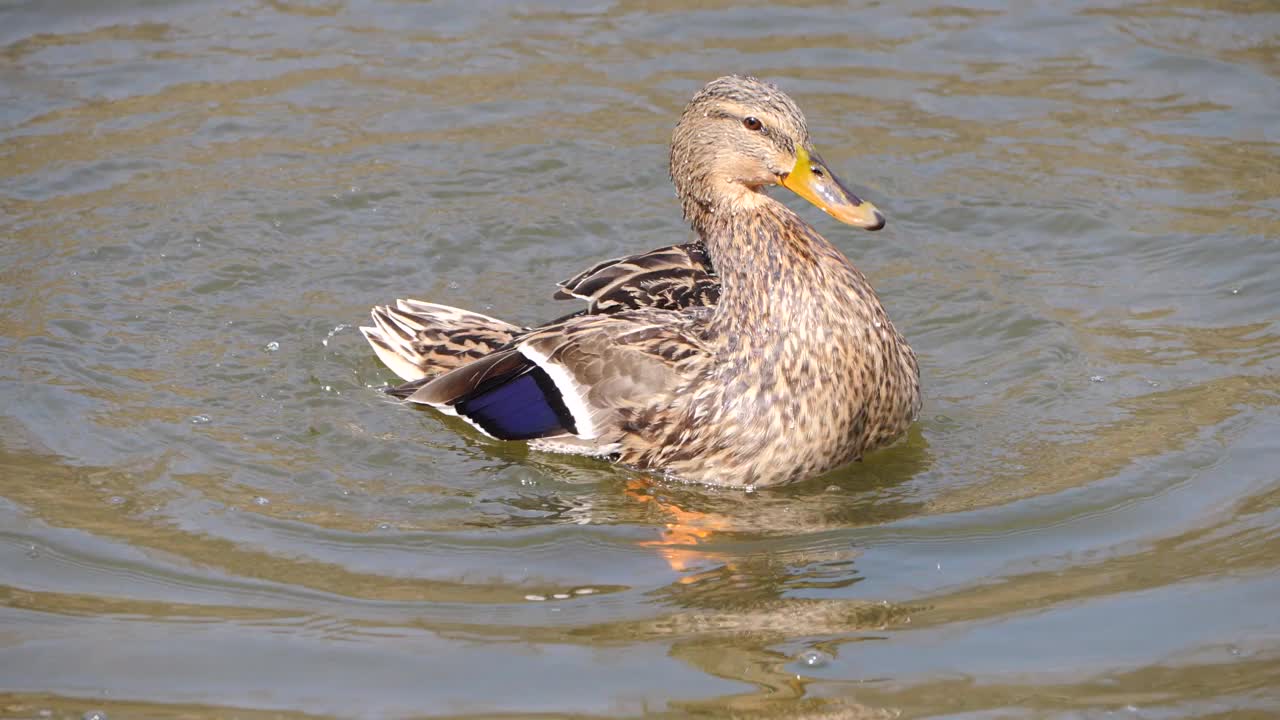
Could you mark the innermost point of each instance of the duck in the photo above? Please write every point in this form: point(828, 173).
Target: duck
point(757, 355)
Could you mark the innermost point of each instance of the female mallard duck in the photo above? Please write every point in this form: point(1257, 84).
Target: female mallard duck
point(779, 365)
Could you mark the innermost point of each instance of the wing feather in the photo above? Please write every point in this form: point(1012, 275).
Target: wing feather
point(670, 278)
point(586, 370)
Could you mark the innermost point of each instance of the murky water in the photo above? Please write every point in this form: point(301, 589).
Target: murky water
point(208, 508)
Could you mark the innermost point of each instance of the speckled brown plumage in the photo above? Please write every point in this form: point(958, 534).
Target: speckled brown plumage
point(669, 278)
point(758, 356)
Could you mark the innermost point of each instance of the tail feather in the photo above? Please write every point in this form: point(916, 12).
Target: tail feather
point(418, 340)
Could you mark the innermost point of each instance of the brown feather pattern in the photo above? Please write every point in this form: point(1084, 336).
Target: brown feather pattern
point(670, 278)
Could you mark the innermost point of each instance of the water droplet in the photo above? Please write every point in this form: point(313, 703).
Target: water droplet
point(939, 566)
point(94, 715)
point(33, 551)
point(453, 285)
point(535, 598)
point(272, 346)
point(384, 526)
point(1235, 291)
point(331, 333)
point(814, 658)
point(115, 500)
point(260, 500)
point(200, 419)
point(1097, 378)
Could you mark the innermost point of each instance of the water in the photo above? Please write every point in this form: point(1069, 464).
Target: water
point(207, 507)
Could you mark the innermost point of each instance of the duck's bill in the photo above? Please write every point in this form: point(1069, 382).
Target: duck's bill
point(813, 181)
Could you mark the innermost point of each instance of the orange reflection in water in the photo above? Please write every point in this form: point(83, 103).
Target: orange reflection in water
point(684, 531)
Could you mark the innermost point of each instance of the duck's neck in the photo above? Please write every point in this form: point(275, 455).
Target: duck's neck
point(777, 274)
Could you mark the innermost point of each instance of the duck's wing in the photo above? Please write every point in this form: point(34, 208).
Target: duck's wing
point(669, 278)
point(418, 340)
point(577, 380)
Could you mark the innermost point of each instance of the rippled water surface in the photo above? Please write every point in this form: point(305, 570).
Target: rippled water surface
point(208, 508)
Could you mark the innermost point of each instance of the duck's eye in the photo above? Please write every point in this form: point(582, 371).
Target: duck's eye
point(752, 124)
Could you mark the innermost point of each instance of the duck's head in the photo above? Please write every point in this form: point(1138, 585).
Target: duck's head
point(739, 134)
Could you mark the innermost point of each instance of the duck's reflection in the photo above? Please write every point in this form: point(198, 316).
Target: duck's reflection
point(741, 575)
point(758, 578)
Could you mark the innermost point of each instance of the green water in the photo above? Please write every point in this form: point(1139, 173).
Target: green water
point(208, 509)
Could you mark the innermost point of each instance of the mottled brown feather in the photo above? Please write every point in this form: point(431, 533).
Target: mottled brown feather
point(669, 278)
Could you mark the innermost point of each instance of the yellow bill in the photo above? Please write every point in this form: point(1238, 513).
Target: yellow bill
point(811, 180)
